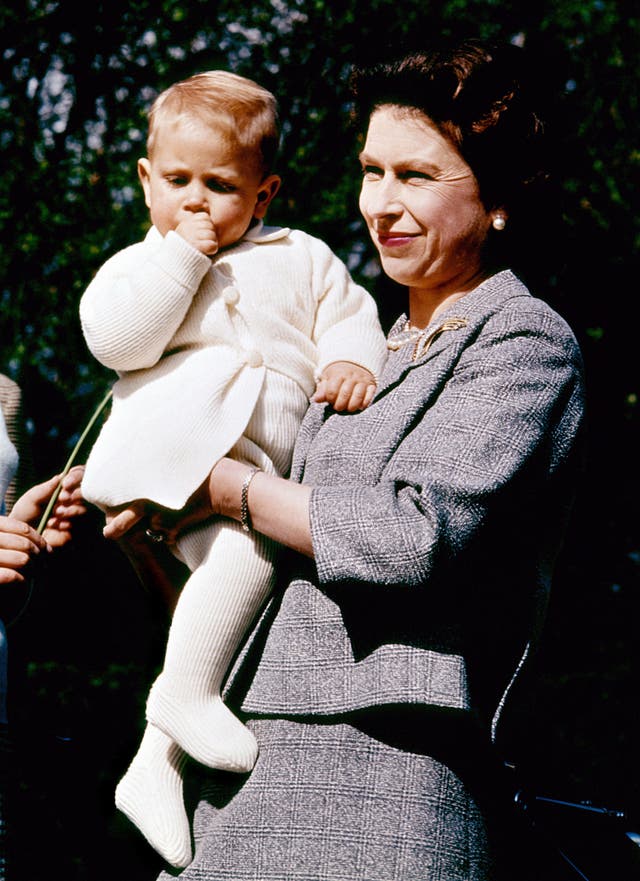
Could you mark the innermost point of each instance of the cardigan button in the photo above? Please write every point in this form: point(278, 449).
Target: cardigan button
point(254, 358)
point(231, 296)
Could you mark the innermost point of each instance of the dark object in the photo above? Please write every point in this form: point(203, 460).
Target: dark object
point(594, 843)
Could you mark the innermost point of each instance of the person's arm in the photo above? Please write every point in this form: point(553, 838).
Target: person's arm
point(505, 418)
point(347, 327)
point(277, 507)
point(138, 300)
point(346, 386)
point(513, 399)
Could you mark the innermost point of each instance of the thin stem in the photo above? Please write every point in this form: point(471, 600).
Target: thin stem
point(71, 460)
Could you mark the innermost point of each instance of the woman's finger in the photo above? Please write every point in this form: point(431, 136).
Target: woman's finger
point(122, 522)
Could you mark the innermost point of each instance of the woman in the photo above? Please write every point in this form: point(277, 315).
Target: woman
point(423, 529)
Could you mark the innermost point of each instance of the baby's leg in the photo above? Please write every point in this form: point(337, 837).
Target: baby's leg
point(150, 794)
point(216, 607)
point(185, 711)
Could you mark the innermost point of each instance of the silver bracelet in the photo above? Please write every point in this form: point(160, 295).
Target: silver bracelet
point(245, 518)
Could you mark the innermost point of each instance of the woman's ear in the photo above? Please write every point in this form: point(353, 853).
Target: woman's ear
point(267, 190)
point(144, 174)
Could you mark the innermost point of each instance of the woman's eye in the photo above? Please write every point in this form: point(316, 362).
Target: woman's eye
point(371, 172)
point(415, 176)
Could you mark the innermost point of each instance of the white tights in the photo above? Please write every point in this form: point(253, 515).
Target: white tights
point(232, 575)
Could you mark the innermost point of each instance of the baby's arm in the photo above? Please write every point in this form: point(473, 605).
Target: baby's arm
point(346, 386)
point(138, 299)
point(346, 331)
point(198, 229)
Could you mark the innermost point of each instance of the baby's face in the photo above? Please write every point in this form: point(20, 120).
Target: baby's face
point(195, 168)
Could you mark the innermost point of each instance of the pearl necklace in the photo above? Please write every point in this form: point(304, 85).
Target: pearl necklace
point(421, 338)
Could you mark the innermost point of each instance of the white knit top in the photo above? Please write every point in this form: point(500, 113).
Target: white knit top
point(192, 339)
point(8, 461)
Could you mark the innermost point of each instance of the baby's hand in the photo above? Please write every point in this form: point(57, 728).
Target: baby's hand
point(198, 229)
point(345, 386)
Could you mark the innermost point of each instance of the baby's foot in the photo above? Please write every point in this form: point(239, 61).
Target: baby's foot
point(150, 794)
point(207, 730)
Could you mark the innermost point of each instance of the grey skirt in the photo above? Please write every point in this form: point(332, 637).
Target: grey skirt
point(331, 802)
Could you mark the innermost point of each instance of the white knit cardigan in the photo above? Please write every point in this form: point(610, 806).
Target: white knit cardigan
point(192, 339)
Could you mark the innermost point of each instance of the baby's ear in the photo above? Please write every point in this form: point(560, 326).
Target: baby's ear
point(144, 174)
point(268, 188)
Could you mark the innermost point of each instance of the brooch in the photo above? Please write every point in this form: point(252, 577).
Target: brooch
point(422, 339)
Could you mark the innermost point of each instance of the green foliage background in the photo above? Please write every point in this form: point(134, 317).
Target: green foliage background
point(75, 85)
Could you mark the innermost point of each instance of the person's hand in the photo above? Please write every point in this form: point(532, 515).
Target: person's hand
point(120, 521)
point(19, 543)
point(345, 386)
point(163, 523)
point(199, 230)
point(69, 505)
point(156, 567)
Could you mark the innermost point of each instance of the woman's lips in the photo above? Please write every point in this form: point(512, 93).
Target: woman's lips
point(394, 240)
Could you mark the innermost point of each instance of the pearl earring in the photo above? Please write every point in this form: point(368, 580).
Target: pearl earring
point(499, 222)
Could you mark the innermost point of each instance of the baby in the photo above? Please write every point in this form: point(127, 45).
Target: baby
point(220, 329)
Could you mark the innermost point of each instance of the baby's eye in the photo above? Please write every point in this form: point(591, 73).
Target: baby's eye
point(176, 180)
point(220, 186)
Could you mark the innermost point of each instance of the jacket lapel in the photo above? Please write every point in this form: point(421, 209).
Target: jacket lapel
point(450, 330)
point(415, 353)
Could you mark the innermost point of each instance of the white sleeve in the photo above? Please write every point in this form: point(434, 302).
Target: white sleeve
point(347, 327)
point(138, 300)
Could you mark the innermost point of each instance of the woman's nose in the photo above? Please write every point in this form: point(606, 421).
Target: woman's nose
point(381, 198)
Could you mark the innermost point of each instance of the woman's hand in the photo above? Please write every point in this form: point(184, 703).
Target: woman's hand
point(120, 521)
point(142, 535)
point(278, 508)
point(19, 543)
point(156, 567)
point(163, 522)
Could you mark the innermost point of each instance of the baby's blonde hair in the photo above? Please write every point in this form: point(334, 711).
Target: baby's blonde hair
point(245, 111)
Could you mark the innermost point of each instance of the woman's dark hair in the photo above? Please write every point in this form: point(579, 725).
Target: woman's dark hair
point(482, 97)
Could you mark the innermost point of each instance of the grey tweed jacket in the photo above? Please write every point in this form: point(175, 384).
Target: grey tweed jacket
point(436, 517)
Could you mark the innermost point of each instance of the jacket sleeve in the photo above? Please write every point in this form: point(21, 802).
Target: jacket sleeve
point(493, 435)
point(138, 300)
point(347, 327)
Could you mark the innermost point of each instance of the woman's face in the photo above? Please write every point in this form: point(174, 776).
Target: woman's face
point(422, 205)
